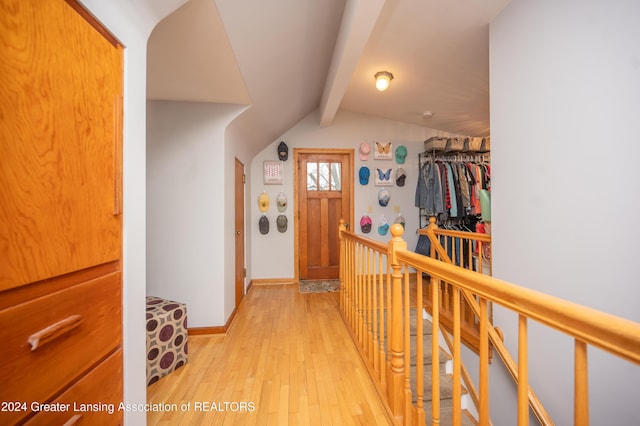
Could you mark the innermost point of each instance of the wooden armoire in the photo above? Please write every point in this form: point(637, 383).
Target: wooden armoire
point(61, 78)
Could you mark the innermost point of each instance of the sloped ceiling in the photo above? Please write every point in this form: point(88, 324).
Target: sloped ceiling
point(285, 58)
point(189, 58)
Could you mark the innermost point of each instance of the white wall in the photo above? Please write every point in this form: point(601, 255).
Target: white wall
point(186, 209)
point(131, 24)
point(272, 254)
point(565, 102)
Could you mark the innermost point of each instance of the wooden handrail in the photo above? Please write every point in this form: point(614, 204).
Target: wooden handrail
point(613, 334)
point(485, 238)
point(375, 245)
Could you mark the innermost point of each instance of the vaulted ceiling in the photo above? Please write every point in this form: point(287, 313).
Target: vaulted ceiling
point(285, 58)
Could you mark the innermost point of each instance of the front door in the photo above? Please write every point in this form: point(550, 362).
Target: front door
point(325, 195)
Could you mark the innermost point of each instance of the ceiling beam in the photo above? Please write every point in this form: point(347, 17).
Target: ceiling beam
point(358, 20)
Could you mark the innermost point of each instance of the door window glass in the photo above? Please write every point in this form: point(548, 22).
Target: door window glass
point(324, 176)
point(312, 176)
point(336, 176)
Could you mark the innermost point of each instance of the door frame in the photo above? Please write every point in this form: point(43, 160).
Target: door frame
point(239, 234)
point(296, 186)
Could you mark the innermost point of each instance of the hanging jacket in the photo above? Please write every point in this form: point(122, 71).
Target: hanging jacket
point(429, 190)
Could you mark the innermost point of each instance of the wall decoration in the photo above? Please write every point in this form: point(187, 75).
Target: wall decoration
point(383, 151)
point(384, 197)
point(383, 177)
point(281, 201)
point(273, 172)
point(263, 202)
point(401, 176)
point(263, 224)
point(281, 223)
point(283, 151)
point(401, 154)
point(364, 175)
point(383, 225)
point(364, 151)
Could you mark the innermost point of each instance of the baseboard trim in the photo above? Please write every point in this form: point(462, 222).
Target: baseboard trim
point(201, 331)
point(273, 281)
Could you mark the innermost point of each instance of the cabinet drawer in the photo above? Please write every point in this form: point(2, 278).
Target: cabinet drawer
point(94, 400)
point(71, 330)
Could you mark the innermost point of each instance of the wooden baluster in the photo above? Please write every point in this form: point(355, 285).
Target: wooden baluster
point(365, 305)
point(380, 318)
point(354, 294)
point(407, 345)
point(431, 227)
point(395, 389)
point(523, 372)
point(360, 297)
point(581, 385)
point(342, 228)
point(375, 311)
point(371, 307)
point(435, 352)
point(484, 365)
point(457, 359)
point(347, 281)
point(446, 300)
point(389, 306)
point(419, 352)
point(354, 287)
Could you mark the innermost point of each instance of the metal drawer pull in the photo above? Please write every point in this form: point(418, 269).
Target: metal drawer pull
point(73, 420)
point(52, 332)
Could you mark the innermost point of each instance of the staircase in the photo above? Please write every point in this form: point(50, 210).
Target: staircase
point(446, 381)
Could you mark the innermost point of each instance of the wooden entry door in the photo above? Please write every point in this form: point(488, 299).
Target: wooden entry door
point(239, 231)
point(325, 195)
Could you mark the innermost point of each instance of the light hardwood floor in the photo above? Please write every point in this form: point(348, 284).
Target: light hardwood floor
point(289, 355)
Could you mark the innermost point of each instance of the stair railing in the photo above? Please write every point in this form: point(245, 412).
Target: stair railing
point(482, 243)
point(469, 250)
point(375, 290)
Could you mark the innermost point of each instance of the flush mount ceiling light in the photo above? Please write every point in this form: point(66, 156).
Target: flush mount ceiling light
point(383, 78)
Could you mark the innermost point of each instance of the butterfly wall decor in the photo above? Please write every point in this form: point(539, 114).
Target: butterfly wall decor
point(383, 177)
point(383, 151)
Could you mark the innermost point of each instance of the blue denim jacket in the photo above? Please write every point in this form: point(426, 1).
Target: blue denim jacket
point(429, 190)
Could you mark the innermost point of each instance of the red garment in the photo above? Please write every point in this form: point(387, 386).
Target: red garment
point(442, 172)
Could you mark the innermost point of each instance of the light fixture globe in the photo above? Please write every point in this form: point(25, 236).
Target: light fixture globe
point(383, 78)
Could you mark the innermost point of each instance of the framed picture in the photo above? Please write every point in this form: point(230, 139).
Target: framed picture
point(273, 172)
point(383, 177)
point(383, 151)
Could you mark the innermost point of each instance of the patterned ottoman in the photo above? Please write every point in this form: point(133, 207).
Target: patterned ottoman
point(166, 337)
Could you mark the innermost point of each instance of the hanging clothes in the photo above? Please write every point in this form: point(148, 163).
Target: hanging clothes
point(429, 190)
point(449, 187)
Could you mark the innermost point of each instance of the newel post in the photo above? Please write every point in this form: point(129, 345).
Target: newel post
point(343, 264)
point(396, 381)
point(432, 225)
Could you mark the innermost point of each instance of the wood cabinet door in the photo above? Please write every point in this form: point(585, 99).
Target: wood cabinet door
point(60, 142)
